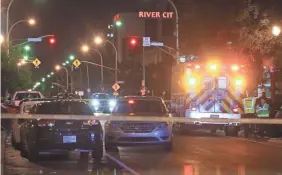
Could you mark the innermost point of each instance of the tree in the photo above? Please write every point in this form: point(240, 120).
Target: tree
point(13, 78)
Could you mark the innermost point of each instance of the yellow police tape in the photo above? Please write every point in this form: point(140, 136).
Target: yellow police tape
point(170, 119)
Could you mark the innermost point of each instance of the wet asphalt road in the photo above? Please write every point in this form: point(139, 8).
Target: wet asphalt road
point(194, 154)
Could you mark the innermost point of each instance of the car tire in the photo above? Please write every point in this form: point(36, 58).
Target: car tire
point(23, 151)
point(168, 146)
point(97, 153)
point(32, 151)
point(14, 144)
point(231, 131)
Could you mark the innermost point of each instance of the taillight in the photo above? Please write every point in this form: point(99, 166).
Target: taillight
point(235, 109)
point(193, 107)
point(91, 122)
point(43, 123)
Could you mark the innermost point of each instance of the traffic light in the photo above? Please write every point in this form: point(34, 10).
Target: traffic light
point(134, 41)
point(52, 40)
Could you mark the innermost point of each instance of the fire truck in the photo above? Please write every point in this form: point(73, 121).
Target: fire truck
point(209, 89)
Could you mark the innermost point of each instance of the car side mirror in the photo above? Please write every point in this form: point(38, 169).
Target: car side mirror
point(9, 99)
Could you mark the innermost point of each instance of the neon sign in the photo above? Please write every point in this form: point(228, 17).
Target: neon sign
point(155, 15)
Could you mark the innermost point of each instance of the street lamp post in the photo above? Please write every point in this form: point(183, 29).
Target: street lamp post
point(7, 20)
point(99, 40)
point(102, 71)
point(85, 48)
point(58, 67)
point(30, 21)
point(176, 27)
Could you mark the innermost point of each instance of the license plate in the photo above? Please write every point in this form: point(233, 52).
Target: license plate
point(214, 116)
point(69, 139)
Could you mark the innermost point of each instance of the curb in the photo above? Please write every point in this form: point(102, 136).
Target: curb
point(275, 140)
point(3, 148)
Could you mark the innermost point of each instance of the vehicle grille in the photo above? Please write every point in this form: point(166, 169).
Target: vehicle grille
point(137, 127)
point(138, 139)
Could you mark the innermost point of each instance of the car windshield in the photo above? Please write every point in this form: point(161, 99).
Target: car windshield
point(101, 96)
point(74, 108)
point(22, 96)
point(140, 106)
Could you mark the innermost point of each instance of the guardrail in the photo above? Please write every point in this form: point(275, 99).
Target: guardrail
point(142, 118)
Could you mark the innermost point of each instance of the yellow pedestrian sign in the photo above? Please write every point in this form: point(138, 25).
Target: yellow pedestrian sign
point(36, 62)
point(76, 63)
point(115, 87)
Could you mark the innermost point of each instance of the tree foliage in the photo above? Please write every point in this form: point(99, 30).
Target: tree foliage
point(254, 34)
point(13, 77)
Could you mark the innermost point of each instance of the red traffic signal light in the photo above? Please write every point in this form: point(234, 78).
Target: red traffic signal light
point(52, 40)
point(133, 41)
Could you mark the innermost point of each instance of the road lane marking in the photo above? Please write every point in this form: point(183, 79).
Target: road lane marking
point(122, 164)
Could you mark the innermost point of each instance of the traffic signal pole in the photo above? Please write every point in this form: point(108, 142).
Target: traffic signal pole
point(144, 70)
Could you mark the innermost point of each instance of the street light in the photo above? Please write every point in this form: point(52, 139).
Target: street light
point(72, 57)
point(1, 39)
point(118, 23)
point(27, 48)
point(98, 40)
point(276, 30)
point(30, 21)
point(84, 48)
point(58, 67)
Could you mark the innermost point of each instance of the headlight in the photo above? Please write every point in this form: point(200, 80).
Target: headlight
point(112, 103)
point(95, 103)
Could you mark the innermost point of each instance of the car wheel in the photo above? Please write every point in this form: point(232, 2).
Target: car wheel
point(32, 153)
point(23, 149)
point(231, 131)
point(14, 143)
point(97, 153)
point(168, 146)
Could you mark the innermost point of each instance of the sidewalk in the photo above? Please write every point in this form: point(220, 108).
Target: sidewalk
point(3, 147)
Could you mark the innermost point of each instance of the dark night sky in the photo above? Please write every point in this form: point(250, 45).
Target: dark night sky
point(72, 22)
point(75, 22)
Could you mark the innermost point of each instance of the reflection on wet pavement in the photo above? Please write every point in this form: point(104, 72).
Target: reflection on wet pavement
point(192, 155)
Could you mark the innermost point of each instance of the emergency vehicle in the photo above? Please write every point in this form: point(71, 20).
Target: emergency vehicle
point(210, 89)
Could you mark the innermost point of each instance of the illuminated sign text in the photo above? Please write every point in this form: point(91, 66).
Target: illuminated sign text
point(166, 15)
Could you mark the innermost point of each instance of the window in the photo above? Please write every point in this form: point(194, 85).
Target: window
point(22, 96)
point(101, 96)
point(73, 108)
point(141, 106)
point(222, 82)
point(207, 82)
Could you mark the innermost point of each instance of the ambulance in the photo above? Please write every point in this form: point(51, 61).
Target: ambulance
point(209, 90)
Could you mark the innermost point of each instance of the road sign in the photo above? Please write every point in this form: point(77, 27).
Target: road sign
point(36, 62)
point(160, 44)
point(115, 93)
point(115, 87)
point(88, 90)
point(76, 63)
point(143, 90)
point(120, 82)
point(34, 39)
point(146, 41)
